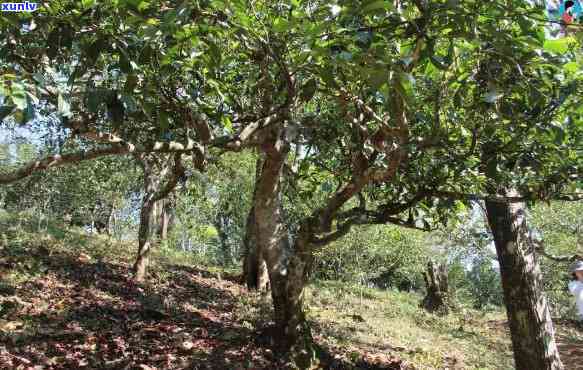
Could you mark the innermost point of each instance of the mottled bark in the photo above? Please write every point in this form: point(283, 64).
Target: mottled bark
point(117, 147)
point(288, 273)
point(164, 217)
point(531, 328)
point(254, 267)
point(154, 171)
point(287, 267)
point(147, 213)
point(437, 297)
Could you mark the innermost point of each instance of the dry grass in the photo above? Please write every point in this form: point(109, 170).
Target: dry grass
point(392, 322)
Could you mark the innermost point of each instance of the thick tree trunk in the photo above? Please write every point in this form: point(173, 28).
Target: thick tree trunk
point(529, 318)
point(437, 298)
point(287, 286)
point(287, 267)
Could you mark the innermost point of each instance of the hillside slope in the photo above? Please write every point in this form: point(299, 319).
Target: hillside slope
point(67, 300)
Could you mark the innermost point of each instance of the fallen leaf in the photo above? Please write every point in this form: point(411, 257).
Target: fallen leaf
point(10, 325)
point(84, 258)
point(146, 367)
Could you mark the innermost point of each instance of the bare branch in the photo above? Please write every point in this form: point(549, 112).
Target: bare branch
point(503, 199)
point(59, 160)
point(124, 148)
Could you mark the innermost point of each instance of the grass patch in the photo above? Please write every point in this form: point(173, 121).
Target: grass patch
point(352, 315)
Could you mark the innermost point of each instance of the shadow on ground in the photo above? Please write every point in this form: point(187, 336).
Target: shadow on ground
point(569, 338)
point(85, 313)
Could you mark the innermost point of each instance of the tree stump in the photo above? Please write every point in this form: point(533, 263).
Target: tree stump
point(437, 298)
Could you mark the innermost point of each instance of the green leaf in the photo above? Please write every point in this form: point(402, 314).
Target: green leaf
point(19, 99)
point(280, 25)
point(87, 3)
point(227, 124)
point(405, 85)
point(374, 5)
point(559, 46)
point(571, 67)
point(143, 5)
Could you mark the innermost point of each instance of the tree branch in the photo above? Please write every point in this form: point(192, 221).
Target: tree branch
point(59, 160)
point(540, 248)
point(502, 199)
point(124, 148)
point(177, 173)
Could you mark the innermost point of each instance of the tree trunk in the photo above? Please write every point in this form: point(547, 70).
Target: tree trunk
point(437, 298)
point(288, 281)
point(529, 318)
point(111, 222)
point(287, 267)
point(254, 267)
point(154, 195)
point(147, 217)
point(164, 217)
point(220, 224)
point(145, 239)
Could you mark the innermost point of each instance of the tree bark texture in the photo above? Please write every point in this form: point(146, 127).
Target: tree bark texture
point(155, 171)
point(254, 266)
point(164, 217)
point(437, 297)
point(146, 229)
point(531, 328)
point(287, 267)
